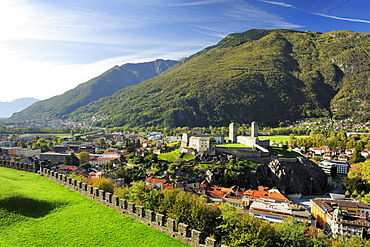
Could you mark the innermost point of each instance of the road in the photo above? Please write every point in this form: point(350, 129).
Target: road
point(305, 200)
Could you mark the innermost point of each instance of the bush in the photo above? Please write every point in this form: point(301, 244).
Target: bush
point(105, 184)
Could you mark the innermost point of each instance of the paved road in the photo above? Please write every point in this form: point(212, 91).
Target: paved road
point(305, 200)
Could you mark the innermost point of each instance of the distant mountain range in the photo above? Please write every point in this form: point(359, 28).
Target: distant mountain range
point(101, 86)
point(8, 108)
point(259, 75)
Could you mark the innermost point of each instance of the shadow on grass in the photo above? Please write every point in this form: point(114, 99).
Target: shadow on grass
point(27, 206)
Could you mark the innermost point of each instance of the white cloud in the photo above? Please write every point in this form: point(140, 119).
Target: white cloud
point(341, 18)
point(277, 3)
point(316, 13)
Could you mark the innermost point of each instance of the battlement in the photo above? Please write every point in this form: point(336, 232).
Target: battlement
point(156, 221)
point(20, 166)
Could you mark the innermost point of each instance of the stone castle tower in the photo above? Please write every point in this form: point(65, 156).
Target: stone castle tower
point(233, 129)
point(254, 131)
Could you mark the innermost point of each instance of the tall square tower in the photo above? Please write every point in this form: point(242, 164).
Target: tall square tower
point(233, 130)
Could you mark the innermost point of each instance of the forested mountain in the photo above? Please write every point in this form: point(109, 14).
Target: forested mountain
point(259, 75)
point(8, 108)
point(104, 85)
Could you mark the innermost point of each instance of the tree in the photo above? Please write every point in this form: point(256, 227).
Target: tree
point(292, 233)
point(138, 193)
point(74, 176)
point(105, 184)
point(355, 193)
point(355, 183)
point(153, 199)
point(247, 230)
point(71, 160)
point(357, 157)
point(60, 140)
point(101, 142)
point(173, 167)
point(347, 194)
point(84, 157)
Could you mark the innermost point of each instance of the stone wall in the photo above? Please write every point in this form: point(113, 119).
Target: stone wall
point(20, 166)
point(156, 221)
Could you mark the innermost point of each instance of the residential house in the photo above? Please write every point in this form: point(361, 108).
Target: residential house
point(159, 183)
point(365, 152)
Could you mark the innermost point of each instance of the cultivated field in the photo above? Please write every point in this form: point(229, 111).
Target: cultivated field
point(35, 211)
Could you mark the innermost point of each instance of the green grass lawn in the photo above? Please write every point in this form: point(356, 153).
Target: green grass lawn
point(233, 145)
point(171, 156)
point(187, 157)
point(336, 179)
point(174, 155)
point(35, 211)
point(278, 139)
point(285, 153)
point(63, 135)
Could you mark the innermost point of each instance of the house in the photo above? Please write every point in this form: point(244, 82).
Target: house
point(67, 169)
point(101, 174)
point(110, 155)
point(350, 151)
point(219, 192)
point(159, 183)
point(343, 157)
point(53, 157)
point(365, 152)
point(317, 151)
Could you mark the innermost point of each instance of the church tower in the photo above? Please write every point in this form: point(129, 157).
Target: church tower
point(233, 129)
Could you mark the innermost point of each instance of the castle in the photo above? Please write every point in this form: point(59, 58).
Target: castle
point(213, 144)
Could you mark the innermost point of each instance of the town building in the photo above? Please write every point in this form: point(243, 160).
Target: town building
point(159, 183)
point(278, 211)
point(333, 166)
point(265, 194)
point(342, 217)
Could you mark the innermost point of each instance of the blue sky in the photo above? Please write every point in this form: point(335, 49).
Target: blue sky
point(51, 46)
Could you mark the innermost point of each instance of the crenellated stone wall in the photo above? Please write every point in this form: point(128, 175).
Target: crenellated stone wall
point(20, 166)
point(156, 221)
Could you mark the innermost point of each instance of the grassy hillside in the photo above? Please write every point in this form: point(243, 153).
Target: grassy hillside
point(104, 85)
point(35, 211)
point(260, 75)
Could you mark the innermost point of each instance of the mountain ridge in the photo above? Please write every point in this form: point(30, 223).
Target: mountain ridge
point(115, 78)
point(8, 108)
point(259, 75)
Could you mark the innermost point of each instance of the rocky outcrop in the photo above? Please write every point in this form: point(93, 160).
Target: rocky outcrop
point(291, 176)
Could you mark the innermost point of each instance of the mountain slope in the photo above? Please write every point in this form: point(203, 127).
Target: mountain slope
point(262, 75)
point(8, 108)
point(104, 85)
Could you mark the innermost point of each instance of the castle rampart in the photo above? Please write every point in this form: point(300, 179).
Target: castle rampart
point(156, 221)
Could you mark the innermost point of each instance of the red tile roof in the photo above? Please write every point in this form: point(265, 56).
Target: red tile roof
point(156, 180)
point(263, 193)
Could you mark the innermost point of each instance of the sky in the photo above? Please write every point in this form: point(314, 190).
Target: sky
point(51, 46)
